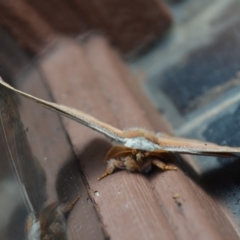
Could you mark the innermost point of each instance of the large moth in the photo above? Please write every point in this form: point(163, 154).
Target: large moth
point(136, 149)
point(50, 223)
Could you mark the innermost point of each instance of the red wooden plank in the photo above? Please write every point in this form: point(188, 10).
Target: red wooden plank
point(52, 149)
point(132, 206)
point(126, 202)
point(26, 25)
point(110, 74)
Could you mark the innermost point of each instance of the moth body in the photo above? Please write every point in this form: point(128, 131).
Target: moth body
point(137, 148)
point(50, 223)
point(140, 143)
point(135, 160)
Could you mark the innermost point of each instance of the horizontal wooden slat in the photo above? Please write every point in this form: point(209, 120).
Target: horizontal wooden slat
point(125, 201)
point(132, 206)
point(111, 75)
point(25, 24)
point(52, 149)
point(128, 25)
point(60, 15)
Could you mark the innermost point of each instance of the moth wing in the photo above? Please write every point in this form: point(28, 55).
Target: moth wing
point(118, 151)
point(163, 154)
point(76, 115)
point(47, 214)
point(196, 147)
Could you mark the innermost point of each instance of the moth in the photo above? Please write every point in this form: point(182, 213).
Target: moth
point(136, 149)
point(50, 223)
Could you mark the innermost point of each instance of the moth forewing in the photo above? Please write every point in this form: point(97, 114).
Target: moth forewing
point(118, 151)
point(74, 114)
point(195, 147)
point(137, 144)
point(51, 221)
point(162, 154)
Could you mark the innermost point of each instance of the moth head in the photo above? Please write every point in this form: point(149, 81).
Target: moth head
point(139, 155)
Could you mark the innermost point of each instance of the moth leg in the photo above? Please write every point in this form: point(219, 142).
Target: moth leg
point(145, 167)
point(112, 165)
point(162, 165)
point(130, 164)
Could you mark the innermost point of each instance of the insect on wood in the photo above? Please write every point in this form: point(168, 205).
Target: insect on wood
point(50, 223)
point(136, 149)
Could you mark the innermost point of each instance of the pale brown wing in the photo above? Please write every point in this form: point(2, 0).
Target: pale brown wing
point(52, 215)
point(76, 115)
point(47, 214)
point(191, 146)
point(118, 151)
point(163, 154)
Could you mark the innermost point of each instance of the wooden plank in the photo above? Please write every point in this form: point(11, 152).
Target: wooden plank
point(61, 16)
point(110, 78)
point(23, 22)
point(51, 147)
point(130, 25)
point(12, 58)
point(131, 206)
point(128, 207)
